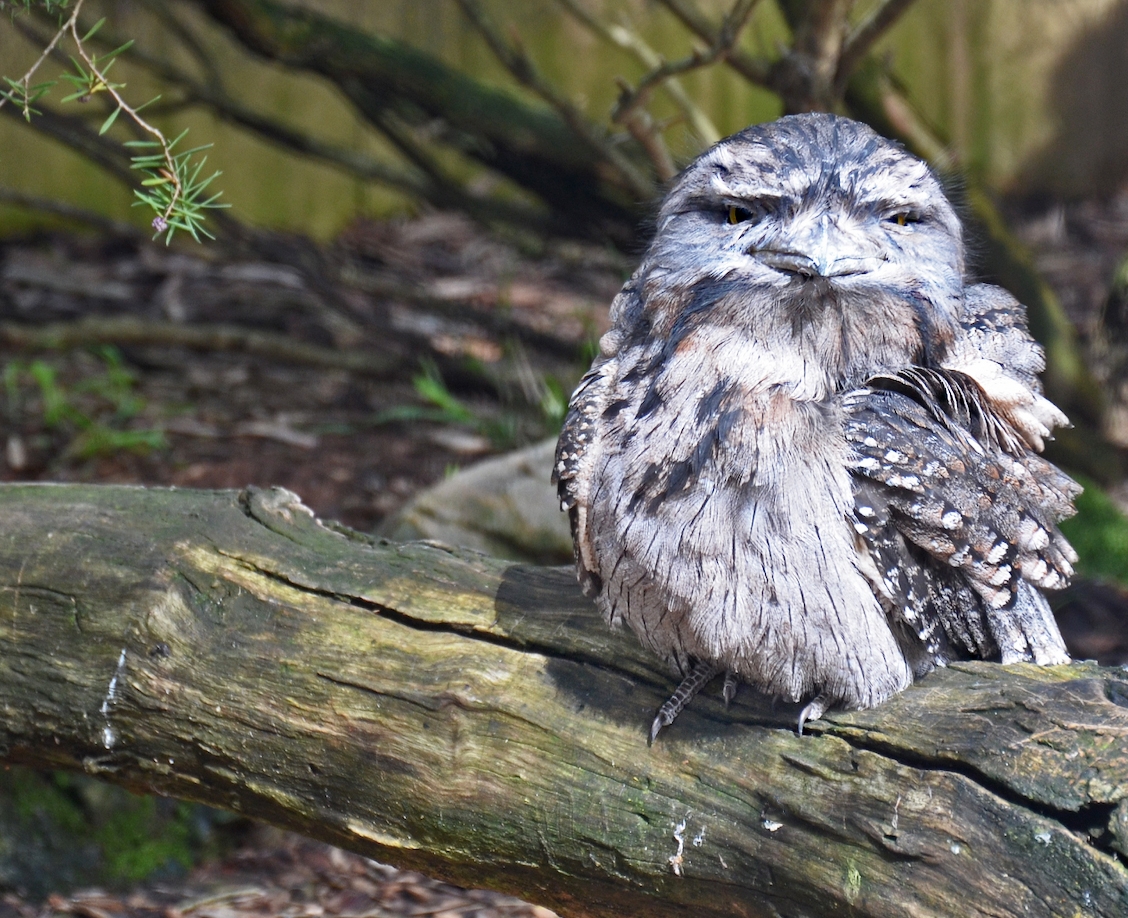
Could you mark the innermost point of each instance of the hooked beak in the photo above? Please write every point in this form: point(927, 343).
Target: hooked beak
point(822, 251)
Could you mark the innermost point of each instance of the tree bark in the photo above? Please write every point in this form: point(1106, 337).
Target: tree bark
point(475, 719)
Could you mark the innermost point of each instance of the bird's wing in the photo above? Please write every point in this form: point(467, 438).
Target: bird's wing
point(996, 349)
point(576, 452)
point(957, 515)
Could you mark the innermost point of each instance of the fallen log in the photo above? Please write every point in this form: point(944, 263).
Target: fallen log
point(473, 718)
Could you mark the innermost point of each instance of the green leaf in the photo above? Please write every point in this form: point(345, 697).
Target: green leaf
point(118, 50)
point(109, 122)
point(145, 105)
point(94, 29)
point(79, 69)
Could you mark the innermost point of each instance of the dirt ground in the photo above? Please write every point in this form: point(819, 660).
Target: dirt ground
point(353, 375)
point(338, 418)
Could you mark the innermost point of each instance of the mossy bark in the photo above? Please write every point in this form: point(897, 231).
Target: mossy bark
point(475, 719)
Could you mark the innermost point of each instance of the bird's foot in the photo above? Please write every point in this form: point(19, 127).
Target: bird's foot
point(815, 709)
point(732, 683)
point(700, 676)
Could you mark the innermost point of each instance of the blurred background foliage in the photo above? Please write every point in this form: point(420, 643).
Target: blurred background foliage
point(1023, 92)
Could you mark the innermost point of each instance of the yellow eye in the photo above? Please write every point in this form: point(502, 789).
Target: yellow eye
point(902, 219)
point(738, 214)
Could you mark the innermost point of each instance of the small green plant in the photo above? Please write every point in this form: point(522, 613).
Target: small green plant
point(173, 188)
point(91, 414)
point(76, 831)
point(1099, 533)
point(554, 402)
point(443, 407)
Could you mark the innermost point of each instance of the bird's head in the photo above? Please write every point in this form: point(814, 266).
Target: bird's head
point(811, 233)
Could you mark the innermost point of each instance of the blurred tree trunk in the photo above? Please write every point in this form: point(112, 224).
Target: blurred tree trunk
point(477, 720)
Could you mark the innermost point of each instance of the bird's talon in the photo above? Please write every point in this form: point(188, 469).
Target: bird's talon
point(732, 684)
point(815, 709)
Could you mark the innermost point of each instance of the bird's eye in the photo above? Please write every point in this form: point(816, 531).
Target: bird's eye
point(738, 214)
point(903, 218)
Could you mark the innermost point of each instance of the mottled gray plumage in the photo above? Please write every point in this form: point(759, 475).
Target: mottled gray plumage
point(806, 454)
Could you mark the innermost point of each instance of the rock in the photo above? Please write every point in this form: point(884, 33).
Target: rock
point(505, 506)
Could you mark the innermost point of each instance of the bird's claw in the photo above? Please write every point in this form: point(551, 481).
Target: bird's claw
point(700, 676)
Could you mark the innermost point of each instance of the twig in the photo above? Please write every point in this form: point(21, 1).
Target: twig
point(518, 63)
point(130, 330)
point(215, 96)
point(722, 44)
point(628, 39)
point(68, 211)
point(74, 132)
point(170, 172)
point(862, 37)
point(26, 78)
point(427, 181)
point(173, 190)
point(163, 11)
point(37, 39)
point(911, 129)
point(754, 69)
point(639, 123)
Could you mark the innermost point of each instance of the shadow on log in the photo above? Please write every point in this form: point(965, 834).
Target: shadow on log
point(475, 719)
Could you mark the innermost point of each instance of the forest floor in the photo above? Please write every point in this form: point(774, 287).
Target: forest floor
point(354, 375)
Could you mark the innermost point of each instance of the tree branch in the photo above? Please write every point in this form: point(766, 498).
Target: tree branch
point(530, 144)
point(517, 62)
point(754, 69)
point(628, 39)
point(48, 49)
point(132, 331)
point(477, 720)
point(727, 36)
point(72, 131)
point(864, 35)
point(70, 212)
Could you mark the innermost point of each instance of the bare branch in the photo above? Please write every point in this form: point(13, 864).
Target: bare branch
point(98, 221)
point(130, 330)
point(187, 36)
point(74, 132)
point(754, 69)
point(641, 126)
point(441, 191)
point(912, 130)
point(518, 63)
point(805, 77)
point(863, 36)
point(628, 39)
point(721, 46)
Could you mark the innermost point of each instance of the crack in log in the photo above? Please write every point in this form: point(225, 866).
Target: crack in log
point(1092, 821)
point(521, 645)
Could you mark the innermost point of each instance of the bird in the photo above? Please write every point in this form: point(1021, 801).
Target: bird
point(807, 454)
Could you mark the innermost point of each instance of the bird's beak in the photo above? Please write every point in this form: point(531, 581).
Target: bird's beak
point(818, 249)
